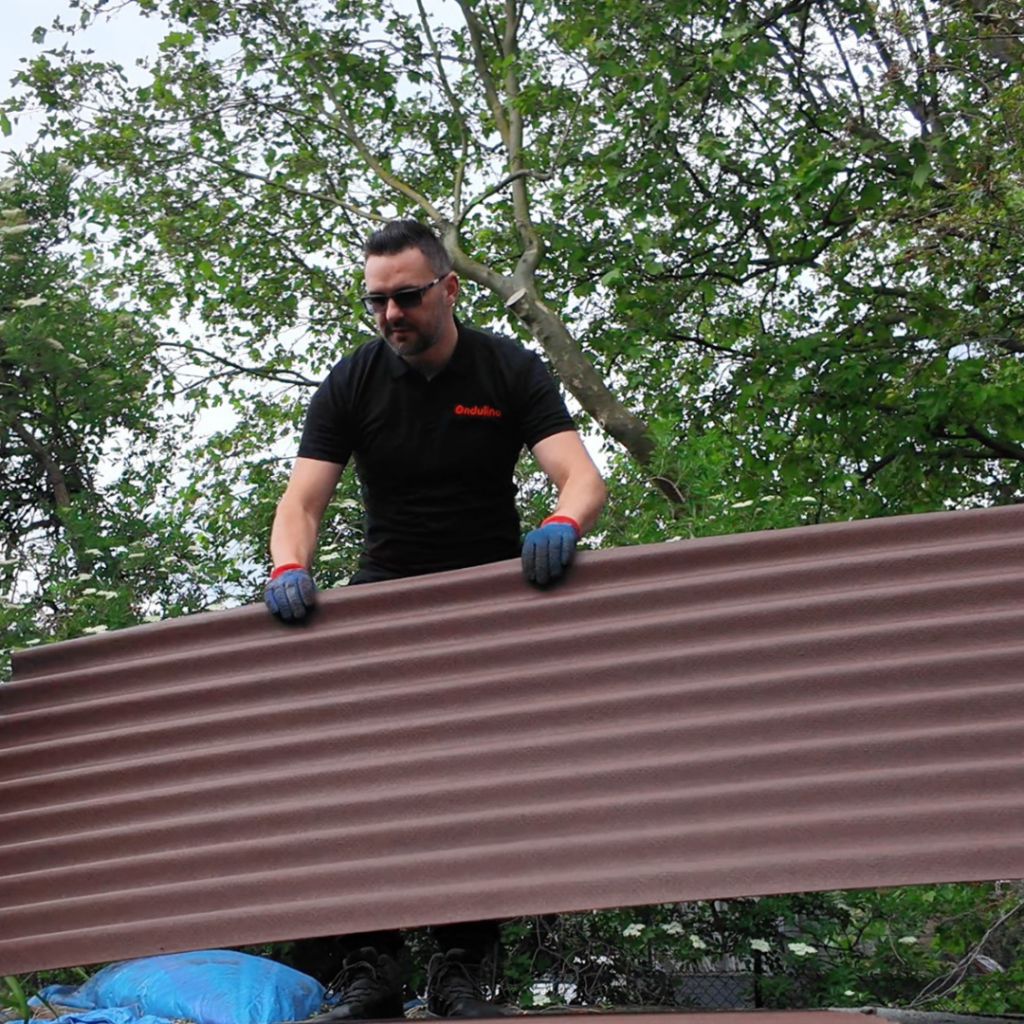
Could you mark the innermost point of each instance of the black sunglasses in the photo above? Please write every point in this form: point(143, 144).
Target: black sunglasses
point(404, 298)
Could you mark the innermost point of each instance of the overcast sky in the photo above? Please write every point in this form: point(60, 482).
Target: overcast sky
point(123, 38)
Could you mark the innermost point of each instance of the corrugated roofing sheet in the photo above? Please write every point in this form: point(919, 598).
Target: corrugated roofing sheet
point(827, 707)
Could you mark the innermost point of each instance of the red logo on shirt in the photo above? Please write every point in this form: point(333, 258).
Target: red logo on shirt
point(477, 410)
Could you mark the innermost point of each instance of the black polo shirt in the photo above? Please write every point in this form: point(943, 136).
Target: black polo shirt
point(435, 458)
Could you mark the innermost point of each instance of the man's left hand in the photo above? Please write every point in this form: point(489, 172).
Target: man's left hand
point(549, 549)
point(290, 592)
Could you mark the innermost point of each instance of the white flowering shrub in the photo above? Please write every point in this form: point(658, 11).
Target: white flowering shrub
point(952, 947)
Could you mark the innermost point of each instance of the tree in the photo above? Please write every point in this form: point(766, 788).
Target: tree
point(772, 248)
point(88, 443)
point(841, 196)
point(783, 234)
point(909, 945)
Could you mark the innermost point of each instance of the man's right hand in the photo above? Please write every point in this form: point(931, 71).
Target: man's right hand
point(290, 592)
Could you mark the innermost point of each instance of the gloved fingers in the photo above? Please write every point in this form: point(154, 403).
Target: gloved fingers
point(276, 598)
point(561, 546)
point(554, 558)
point(547, 551)
point(560, 551)
point(542, 562)
point(533, 557)
point(567, 550)
point(293, 599)
point(290, 594)
point(530, 558)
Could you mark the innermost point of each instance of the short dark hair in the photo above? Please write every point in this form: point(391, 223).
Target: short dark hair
point(398, 235)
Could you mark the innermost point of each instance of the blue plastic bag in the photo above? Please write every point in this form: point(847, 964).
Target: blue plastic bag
point(113, 1015)
point(212, 986)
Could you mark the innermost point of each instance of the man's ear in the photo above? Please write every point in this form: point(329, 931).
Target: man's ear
point(451, 288)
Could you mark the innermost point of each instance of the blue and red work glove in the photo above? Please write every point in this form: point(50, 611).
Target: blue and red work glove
point(290, 591)
point(548, 550)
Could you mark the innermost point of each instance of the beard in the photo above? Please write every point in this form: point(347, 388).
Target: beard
point(414, 341)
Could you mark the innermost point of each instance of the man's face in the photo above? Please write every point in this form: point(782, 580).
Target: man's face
point(410, 332)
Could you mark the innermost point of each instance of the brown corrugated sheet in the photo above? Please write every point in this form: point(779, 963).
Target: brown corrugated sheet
point(833, 706)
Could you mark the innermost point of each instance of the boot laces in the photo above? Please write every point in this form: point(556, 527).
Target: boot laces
point(450, 980)
point(355, 980)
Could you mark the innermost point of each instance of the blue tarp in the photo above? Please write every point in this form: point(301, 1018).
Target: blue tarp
point(212, 986)
point(113, 1015)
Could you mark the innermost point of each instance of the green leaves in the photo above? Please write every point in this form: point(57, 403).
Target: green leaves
point(905, 946)
point(15, 994)
point(787, 239)
point(80, 427)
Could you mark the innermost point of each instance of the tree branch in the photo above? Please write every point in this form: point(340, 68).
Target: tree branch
point(323, 197)
point(456, 109)
point(878, 465)
point(940, 987)
point(353, 136)
point(54, 475)
point(1004, 449)
point(281, 377)
point(480, 62)
point(697, 340)
point(504, 183)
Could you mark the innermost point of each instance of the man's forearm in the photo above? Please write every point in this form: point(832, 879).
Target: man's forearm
point(297, 520)
point(568, 465)
point(293, 535)
point(581, 499)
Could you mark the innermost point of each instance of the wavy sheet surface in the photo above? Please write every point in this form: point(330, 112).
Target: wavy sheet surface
point(827, 707)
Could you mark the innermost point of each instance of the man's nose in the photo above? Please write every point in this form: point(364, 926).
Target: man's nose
point(393, 311)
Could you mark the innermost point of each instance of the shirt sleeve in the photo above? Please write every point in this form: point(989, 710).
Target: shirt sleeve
point(544, 411)
point(328, 431)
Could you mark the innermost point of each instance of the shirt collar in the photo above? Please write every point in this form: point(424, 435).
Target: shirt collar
point(460, 363)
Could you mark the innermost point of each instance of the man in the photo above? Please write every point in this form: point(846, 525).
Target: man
point(435, 415)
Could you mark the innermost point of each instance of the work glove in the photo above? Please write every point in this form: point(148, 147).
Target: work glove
point(548, 550)
point(290, 591)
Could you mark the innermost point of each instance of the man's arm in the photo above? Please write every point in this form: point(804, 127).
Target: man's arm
point(548, 550)
point(297, 520)
point(290, 591)
point(568, 465)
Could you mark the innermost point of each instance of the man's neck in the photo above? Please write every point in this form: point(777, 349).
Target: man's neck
point(437, 357)
point(430, 372)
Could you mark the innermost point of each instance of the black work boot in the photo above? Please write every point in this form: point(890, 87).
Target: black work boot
point(369, 987)
point(453, 987)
